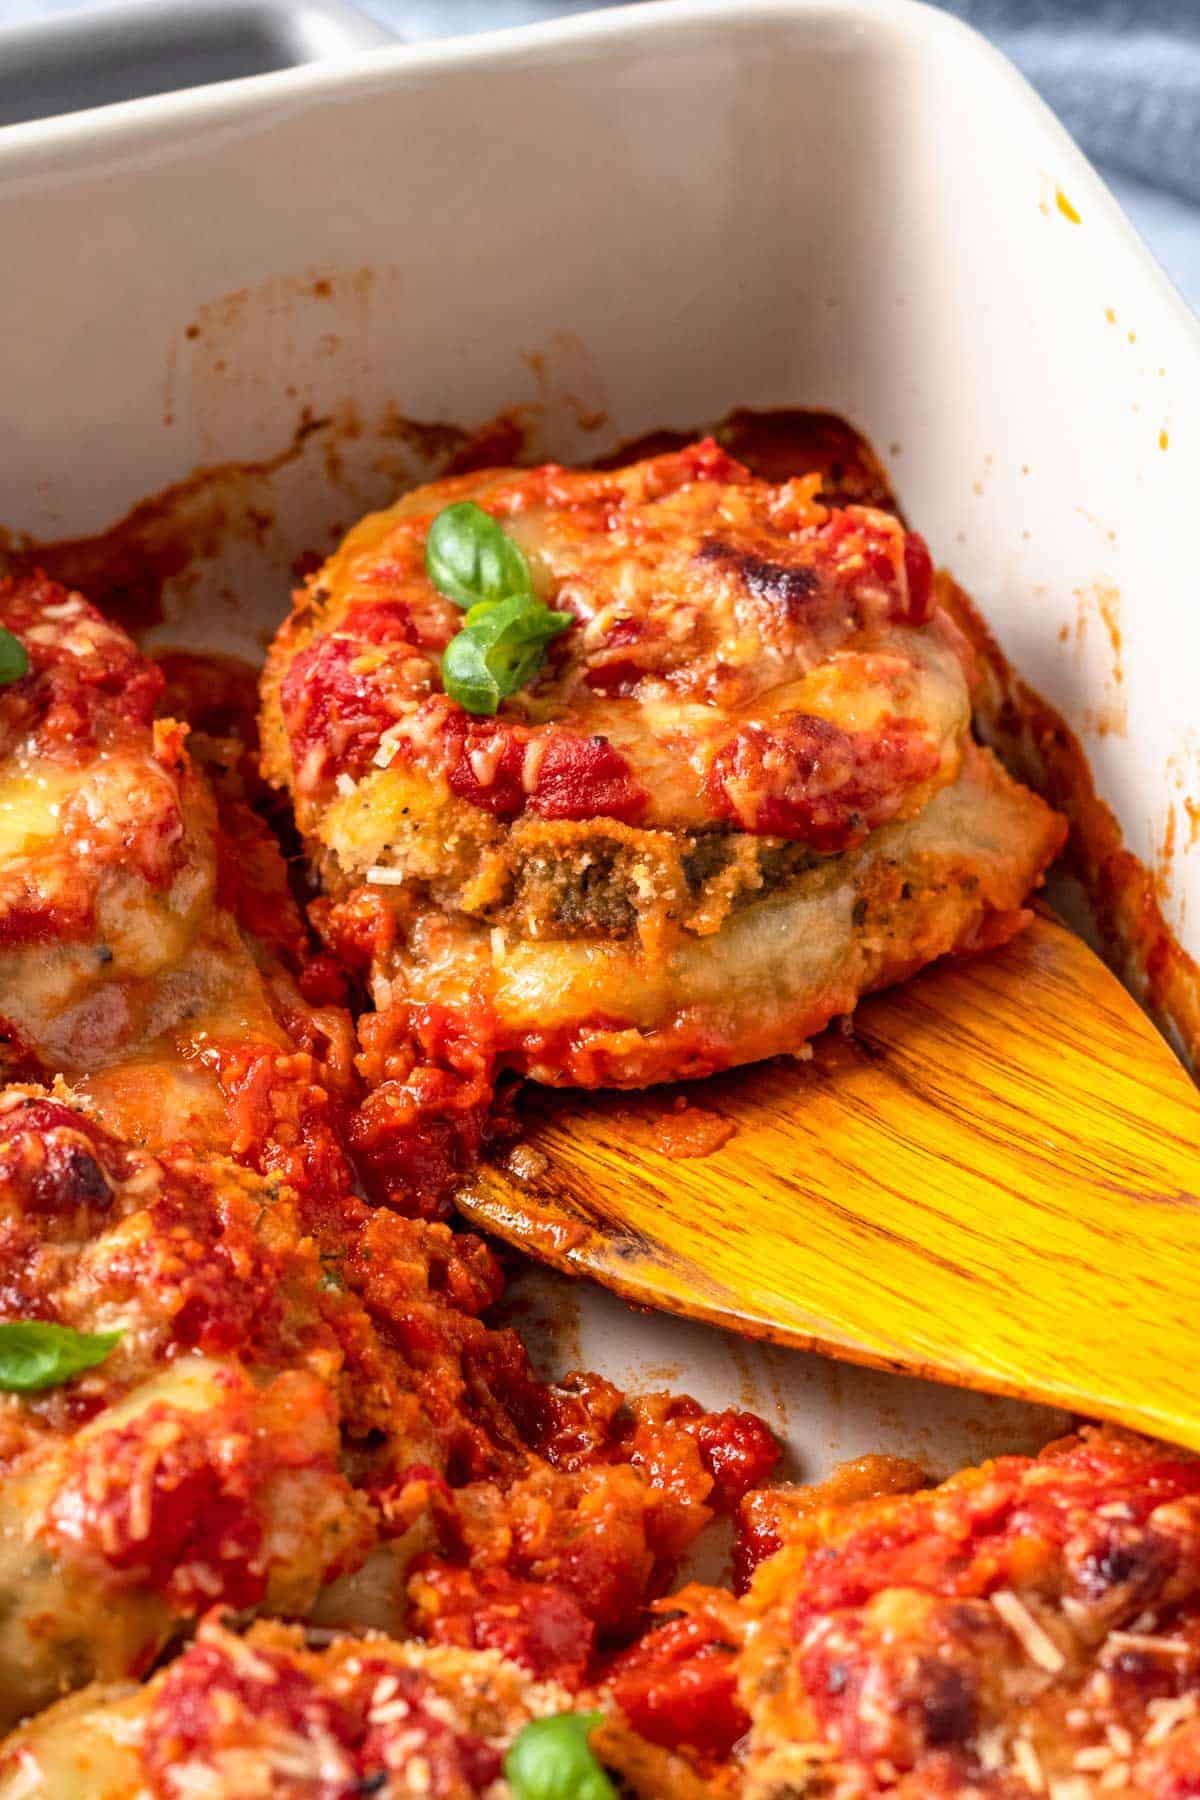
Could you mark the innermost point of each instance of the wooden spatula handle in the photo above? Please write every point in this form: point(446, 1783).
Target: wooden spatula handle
point(993, 1181)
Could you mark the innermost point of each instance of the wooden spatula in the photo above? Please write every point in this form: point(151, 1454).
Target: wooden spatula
point(995, 1180)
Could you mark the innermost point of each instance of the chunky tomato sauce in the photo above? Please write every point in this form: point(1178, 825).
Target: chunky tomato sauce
point(350, 1372)
point(361, 690)
point(306, 1378)
point(678, 1686)
point(310, 1392)
point(370, 1716)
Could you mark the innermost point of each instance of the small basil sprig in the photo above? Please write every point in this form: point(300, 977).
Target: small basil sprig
point(551, 1760)
point(35, 1354)
point(469, 558)
point(502, 644)
point(14, 658)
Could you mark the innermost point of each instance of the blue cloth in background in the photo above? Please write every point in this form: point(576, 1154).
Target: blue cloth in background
point(1124, 77)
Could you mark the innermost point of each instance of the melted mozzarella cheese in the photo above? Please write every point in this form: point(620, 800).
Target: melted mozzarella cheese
point(776, 971)
point(31, 802)
point(58, 1624)
point(85, 1748)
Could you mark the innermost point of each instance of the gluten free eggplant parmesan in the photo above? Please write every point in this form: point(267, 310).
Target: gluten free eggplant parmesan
point(267, 1717)
point(1029, 1630)
point(1031, 1627)
point(742, 791)
point(301, 1521)
point(297, 1406)
point(148, 950)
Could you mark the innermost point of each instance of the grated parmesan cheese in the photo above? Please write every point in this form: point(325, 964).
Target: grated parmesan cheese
point(1027, 1765)
point(1166, 1713)
point(485, 759)
point(531, 764)
point(389, 1712)
point(26, 1780)
point(1120, 1739)
point(1094, 1758)
point(385, 1689)
point(1035, 1640)
point(1147, 1641)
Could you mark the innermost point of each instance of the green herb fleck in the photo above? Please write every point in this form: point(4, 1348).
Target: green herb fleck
point(14, 658)
point(35, 1354)
point(552, 1760)
point(469, 558)
point(502, 644)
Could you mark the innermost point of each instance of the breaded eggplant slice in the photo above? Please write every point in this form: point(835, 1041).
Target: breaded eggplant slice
point(618, 1011)
point(202, 1460)
point(265, 1717)
point(1030, 1628)
point(316, 1425)
point(126, 963)
point(742, 791)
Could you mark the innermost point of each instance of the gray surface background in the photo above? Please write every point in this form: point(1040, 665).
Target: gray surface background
point(1124, 75)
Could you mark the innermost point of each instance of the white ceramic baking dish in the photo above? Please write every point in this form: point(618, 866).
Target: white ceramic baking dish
point(639, 218)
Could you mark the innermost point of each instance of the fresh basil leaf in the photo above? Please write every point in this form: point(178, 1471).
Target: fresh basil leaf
point(35, 1354)
point(501, 648)
point(469, 558)
point(551, 1760)
point(514, 622)
point(14, 658)
point(466, 676)
point(517, 656)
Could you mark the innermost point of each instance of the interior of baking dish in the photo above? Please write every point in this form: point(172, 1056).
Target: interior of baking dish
point(304, 286)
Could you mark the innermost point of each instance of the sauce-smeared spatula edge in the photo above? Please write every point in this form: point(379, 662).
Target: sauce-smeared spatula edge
point(993, 1181)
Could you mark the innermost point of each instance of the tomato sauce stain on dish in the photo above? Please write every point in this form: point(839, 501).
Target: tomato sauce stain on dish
point(125, 568)
point(1035, 741)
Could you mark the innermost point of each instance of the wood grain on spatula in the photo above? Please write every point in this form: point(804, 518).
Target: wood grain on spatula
point(994, 1181)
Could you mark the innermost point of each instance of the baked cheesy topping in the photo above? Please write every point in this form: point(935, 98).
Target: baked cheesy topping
point(741, 655)
point(741, 791)
point(1029, 1628)
point(302, 1410)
